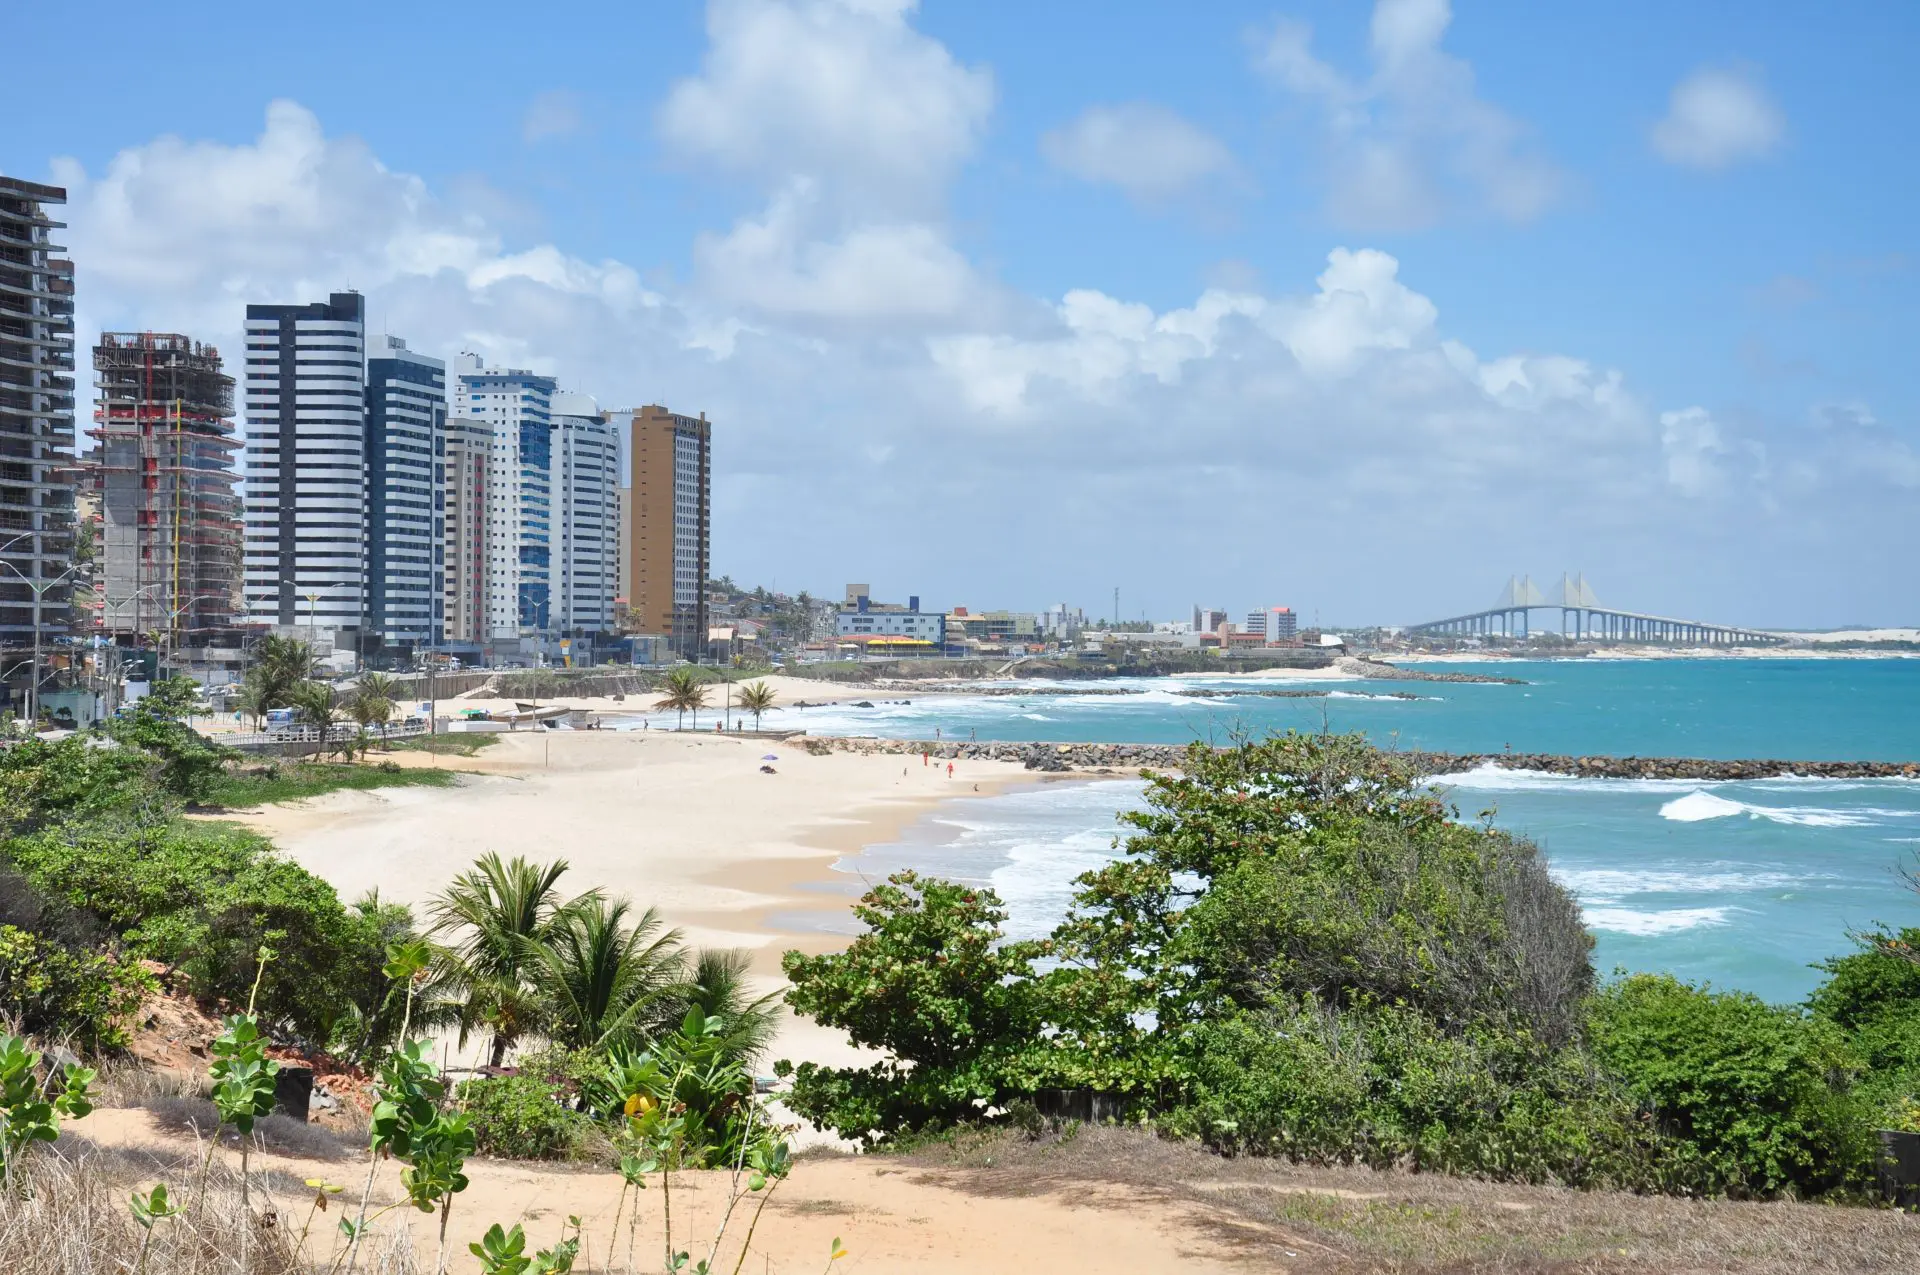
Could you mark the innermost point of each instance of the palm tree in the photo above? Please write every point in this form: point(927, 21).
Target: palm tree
point(372, 701)
point(280, 666)
point(717, 985)
point(682, 691)
point(756, 698)
point(491, 924)
point(314, 700)
point(609, 983)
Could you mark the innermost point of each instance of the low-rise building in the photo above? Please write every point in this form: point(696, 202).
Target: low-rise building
point(867, 619)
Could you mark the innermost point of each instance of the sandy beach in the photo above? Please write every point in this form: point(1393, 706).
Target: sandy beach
point(680, 821)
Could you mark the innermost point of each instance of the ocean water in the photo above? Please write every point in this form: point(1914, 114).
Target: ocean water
point(1743, 885)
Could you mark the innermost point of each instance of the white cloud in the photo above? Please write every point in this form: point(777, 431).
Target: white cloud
point(842, 91)
point(871, 272)
point(864, 380)
point(1412, 141)
point(1717, 117)
point(1146, 150)
point(1693, 447)
point(853, 124)
point(555, 113)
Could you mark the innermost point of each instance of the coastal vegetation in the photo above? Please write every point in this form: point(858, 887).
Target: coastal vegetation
point(109, 893)
point(1301, 956)
point(1302, 952)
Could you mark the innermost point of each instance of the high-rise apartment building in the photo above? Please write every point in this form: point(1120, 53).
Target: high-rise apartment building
point(36, 425)
point(586, 483)
point(672, 469)
point(517, 406)
point(305, 464)
point(405, 474)
point(468, 524)
point(169, 547)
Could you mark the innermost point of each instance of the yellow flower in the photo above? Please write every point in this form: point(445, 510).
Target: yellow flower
point(639, 1105)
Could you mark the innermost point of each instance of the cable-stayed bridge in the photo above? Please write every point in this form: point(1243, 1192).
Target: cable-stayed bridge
point(1583, 617)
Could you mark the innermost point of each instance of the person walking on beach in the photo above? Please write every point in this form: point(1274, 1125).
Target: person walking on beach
point(926, 757)
point(949, 770)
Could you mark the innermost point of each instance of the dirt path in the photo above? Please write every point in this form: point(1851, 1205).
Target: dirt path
point(890, 1216)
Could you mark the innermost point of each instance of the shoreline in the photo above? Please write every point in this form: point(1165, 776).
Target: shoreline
point(683, 822)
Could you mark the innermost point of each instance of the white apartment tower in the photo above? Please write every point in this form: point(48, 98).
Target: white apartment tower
point(586, 483)
point(305, 456)
point(516, 407)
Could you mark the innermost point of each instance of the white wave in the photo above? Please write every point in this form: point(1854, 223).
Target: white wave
point(1647, 924)
point(1490, 776)
point(1697, 806)
point(1609, 885)
point(1039, 717)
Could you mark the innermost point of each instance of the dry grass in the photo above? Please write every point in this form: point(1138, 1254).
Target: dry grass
point(1340, 1221)
point(69, 1216)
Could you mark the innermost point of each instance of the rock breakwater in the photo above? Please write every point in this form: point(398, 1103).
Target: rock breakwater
point(1089, 758)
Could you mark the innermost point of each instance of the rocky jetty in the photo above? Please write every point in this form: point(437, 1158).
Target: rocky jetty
point(1380, 670)
point(1109, 758)
point(1322, 693)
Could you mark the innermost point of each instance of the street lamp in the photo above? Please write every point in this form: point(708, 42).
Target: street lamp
point(313, 597)
point(39, 585)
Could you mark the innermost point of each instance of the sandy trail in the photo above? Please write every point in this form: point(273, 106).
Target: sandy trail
point(889, 1216)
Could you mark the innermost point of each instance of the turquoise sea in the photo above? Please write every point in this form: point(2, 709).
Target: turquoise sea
point(1740, 884)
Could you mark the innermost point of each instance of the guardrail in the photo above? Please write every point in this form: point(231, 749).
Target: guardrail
point(337, 733)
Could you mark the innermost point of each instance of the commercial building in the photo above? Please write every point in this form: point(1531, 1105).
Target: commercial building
point(305, 465)
point(517, 405)
point(1283, 626)
point(865, 619)
point(1208, 619)
point(668, 537)
point(36, 427)
point(466, 548)
point(586, 469)
point(405, 474)
point(163, 470)
point(1059, 621)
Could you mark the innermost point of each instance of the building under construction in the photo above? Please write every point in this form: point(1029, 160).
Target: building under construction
point(169, 545)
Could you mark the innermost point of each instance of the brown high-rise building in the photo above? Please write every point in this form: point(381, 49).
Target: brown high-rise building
point(163, 465)
point(671, 465)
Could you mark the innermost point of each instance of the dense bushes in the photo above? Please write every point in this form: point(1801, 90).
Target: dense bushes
point(1385, 1086)
point(1302, 952)
point(1754, 1097)
point(520, 1117)
point(96, 860)
point(203, 898)
point(53, 993)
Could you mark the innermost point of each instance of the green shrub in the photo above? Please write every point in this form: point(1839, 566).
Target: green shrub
point(186, 764)
point(1317, 865)
point(956, 1010)
point(522, 1117)
point(204, 898)
point(1386, 1087)
point(55, 994)
point(1873, 995)
point(1757, 1098)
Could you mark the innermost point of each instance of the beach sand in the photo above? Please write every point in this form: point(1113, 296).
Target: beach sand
point(682, 821)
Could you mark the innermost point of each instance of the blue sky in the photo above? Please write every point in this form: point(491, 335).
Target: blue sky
point(1003, 304)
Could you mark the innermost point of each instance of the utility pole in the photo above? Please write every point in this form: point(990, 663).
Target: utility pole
point(1116, 606)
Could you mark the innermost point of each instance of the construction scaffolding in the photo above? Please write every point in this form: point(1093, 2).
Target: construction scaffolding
point(163, 465)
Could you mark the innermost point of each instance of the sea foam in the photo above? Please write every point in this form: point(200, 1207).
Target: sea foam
point(1653, 924)
point(1698, 806)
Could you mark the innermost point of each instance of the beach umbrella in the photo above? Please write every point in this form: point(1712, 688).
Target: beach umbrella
point(771, 757)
